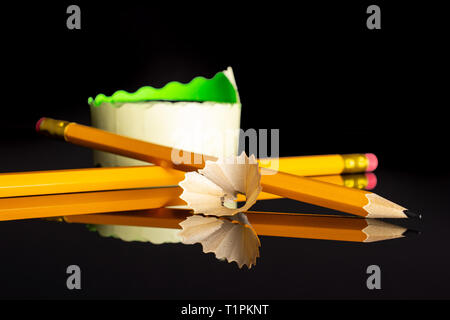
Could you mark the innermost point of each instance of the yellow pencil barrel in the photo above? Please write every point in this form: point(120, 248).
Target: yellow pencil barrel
point(115, 178)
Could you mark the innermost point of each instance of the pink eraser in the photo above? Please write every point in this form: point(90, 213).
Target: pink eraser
point(371, 181)
point(373, 162)
point(38, 124)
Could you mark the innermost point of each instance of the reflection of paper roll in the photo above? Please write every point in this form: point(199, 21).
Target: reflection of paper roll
point(142, 234)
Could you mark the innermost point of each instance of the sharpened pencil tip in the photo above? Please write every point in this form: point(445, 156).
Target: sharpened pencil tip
point(411, 214)
point(411, 233)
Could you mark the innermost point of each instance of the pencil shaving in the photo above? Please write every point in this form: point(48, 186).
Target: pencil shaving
point(230, 238)
point(213, 190)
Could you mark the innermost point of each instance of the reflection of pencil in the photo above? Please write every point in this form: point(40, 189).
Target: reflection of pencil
point(102, 179)
point(358, 202)
point(88, 202)
point(330, 164)
point(365, 181)
point(265, 224)
point(325, 227)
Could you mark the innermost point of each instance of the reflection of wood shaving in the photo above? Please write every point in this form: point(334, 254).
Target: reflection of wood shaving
point(218, 183)
point(220, 229)
point(230, 238)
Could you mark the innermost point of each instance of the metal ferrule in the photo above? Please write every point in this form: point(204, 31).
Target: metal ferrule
point(355, 163)
point(54, 128)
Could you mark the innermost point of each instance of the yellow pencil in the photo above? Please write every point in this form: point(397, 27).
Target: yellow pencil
point(51, 205)
point(354, 201)
point(45, 206)
point(101, 179)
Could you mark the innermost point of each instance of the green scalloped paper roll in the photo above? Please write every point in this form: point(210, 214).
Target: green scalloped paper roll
point(217, 89)
point(196, 116)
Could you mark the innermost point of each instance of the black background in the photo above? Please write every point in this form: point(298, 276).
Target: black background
point(312, 70)
point(336, 86)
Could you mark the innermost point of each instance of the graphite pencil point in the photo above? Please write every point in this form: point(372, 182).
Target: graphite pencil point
point(411, 233)
point(411, 214)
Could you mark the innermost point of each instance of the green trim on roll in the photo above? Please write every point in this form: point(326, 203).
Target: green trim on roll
point(216, 89)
